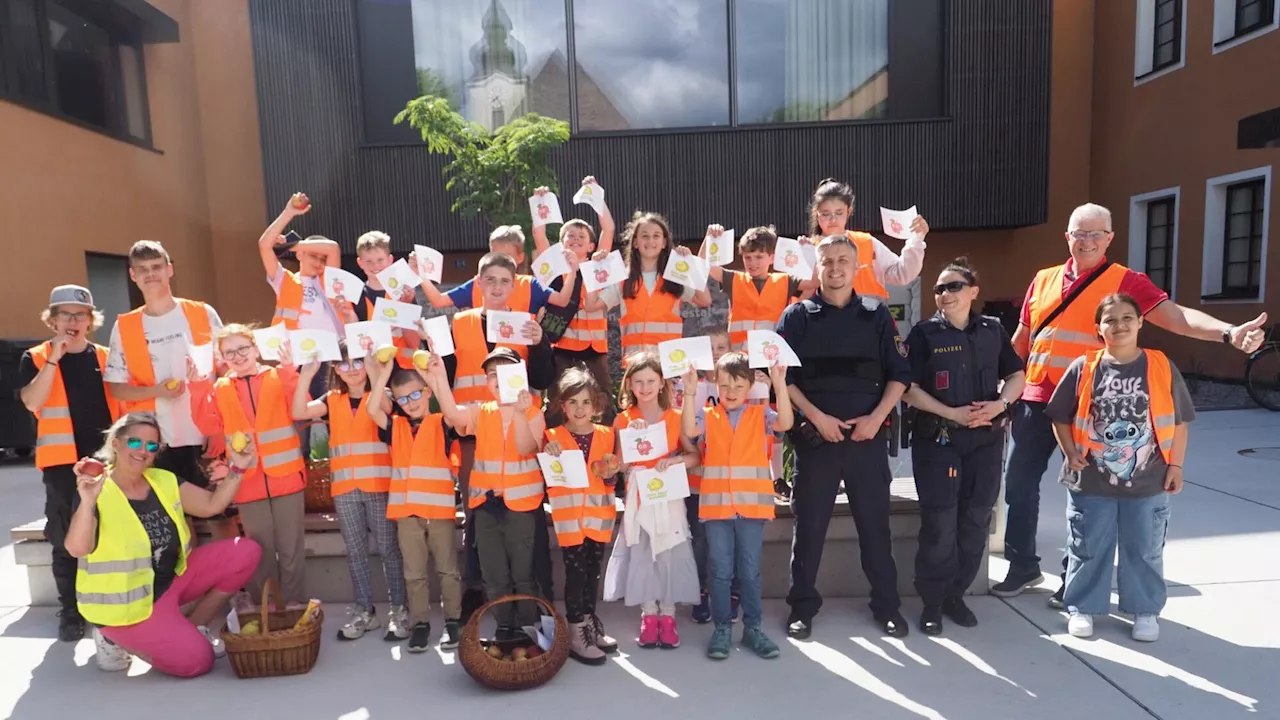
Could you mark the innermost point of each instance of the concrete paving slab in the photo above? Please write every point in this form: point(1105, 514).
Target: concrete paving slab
point(964, 675)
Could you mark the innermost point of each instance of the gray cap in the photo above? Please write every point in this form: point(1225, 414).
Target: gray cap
point(71, 295)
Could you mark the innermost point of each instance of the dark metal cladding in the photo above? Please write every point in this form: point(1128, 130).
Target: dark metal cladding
point(984, 165)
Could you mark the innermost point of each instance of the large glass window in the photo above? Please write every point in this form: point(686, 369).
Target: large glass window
point(812, 61)
point(1242, 245)
point(651, 63)
point(1160, 224)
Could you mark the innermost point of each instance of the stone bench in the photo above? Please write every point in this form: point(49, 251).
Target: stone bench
point(327, 577)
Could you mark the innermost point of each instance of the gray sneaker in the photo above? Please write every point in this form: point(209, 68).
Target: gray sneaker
point(398, 624)
point(754, 639)
point(359, 622)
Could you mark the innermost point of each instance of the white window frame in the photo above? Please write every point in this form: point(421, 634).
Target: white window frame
point(1138, 233)
point(1144, 42)
point(1224, 26)
point(1215, 209)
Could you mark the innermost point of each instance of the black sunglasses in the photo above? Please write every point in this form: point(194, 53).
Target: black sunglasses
point(135, 443)
point(951, 287)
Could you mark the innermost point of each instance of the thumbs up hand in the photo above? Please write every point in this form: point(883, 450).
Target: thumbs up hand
point(1249, 336)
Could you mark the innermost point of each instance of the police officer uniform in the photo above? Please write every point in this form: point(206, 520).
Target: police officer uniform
point(848, 356)
point(957, 469)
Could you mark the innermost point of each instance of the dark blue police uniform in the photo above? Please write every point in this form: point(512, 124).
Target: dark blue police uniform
point(848, 355)
point(957, 469)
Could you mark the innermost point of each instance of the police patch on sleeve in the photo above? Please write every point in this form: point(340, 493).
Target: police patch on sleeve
point(902, 345)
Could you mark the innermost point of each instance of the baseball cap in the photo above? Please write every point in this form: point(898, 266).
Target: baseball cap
point(71, 295)
point(505, 354)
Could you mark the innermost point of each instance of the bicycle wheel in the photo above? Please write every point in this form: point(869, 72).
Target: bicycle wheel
point(1262, 377)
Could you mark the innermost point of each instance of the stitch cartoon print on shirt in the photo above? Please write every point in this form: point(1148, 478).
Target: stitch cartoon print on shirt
point(1120, 420)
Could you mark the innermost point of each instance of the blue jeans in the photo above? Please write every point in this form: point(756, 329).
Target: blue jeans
point(1097, 524)
point(733, 550)
point(1031, 446)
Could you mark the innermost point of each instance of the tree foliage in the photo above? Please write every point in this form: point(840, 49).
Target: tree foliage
point(491, 174)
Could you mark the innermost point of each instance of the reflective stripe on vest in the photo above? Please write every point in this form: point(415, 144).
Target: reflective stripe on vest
point(756, 309)
point(55, 435)
point(137, 355)
point(115, 583)
point(422, 483)
point(1162, 414)
point(587, 330)
point(578, 514)
point(1073, 333)
point(469, 384)
point(358, 460)
point(500, 468)
point(649, 318)
point(737, 479)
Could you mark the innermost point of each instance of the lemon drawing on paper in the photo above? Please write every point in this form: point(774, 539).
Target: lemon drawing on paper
point(273, 343)
point(682, 266)
point(677, 356)
point(308, 344)
point(655, 485)
point(556, 467)
point(515, 383)
point(393, 283)
point(586, 189)
point(389, 312)
point(544, 268)
point(715, 248)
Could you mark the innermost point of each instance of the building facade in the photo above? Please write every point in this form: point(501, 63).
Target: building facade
point(192, 123)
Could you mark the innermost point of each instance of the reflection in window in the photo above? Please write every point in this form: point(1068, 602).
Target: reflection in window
point(494, 60)
point(812, 60)
point(651, 63)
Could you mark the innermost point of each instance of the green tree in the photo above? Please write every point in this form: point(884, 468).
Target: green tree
point(491, 174)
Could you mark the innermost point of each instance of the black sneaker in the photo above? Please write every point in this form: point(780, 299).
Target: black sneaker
point(1055, 600)
point(959, 613)
point(507, 633)
point(702, 611)
point(894, 625)
point(799, 628)
point(1013, 585)
point(472, 600)
point(420, 638)
point(452, 635)
point(735, 607)
point(931, 620)
point(70, 625)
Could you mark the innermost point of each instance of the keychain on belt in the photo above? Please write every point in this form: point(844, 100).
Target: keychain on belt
point(944, 437)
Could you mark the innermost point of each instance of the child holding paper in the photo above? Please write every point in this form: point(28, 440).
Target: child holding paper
point(737, 493)
point(527, 294)
point(652, 564)
point(421, 499)
point(586, 341)
point(506, 493)
point(584, 518)
point(651, 304)
point(360, 467)
point(757, 296)
point(252, 401)
point(373, 255)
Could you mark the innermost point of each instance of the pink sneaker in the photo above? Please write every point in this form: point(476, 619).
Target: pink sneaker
point(648, 631)
point(667, 635)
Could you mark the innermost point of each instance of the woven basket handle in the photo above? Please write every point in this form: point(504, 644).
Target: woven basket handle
point(267, 588)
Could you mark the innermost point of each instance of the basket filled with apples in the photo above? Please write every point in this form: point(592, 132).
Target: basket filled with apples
point(517, 664)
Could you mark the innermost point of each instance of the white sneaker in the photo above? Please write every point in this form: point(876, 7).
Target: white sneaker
point(1080, 625)
point(398, 623)
point(219, 650)
point(1146, 628)
point(359, 622)
point(110, 656)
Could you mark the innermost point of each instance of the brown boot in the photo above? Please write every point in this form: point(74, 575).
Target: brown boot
point(583, 648)
point(603, 641)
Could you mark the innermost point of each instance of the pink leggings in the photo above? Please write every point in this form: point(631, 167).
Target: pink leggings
point(167, 639)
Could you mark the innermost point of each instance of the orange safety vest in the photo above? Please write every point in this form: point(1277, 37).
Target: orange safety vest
point(587, 330)
point(521, 296)
point(756, 310)
point(649, 319)
point(55, 437)
point(670, 417)
point(137, 356)
point(288, 301)
point(1159, 388)
point(471, 348)
point(274, 437)
point(736, 476)
point(498, 467)
point(865, 282)
point(422, 483)
point(358, 460)
point(584, 513)
point(1071, 334)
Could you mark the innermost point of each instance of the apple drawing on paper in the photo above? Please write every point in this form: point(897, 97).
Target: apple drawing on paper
point(602, 276)
point(505, 331)
point(543, 212)
point(770, 351)
point(431, 267)
point(337, 287)
point(895, 226)
point(791, 259)
point(644, 447)
point(366, 344)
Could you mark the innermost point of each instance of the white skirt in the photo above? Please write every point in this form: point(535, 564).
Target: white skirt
point(634, 576)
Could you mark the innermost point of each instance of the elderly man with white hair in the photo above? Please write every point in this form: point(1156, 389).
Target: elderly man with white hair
point(1056, 327)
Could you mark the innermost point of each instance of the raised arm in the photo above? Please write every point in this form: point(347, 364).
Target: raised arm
point(902, 270)
point(380, 373)
point(199, 502)
point(437, 378)
point(274, 234)
point(331, 251)
point(1202, 326)
point(303, 407)
point(36, 393)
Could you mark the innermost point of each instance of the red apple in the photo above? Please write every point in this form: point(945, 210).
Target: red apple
point(92, 468)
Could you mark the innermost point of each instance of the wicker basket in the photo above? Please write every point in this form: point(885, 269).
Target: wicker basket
point(278, 649)
point(505, 674)
point(317, 497)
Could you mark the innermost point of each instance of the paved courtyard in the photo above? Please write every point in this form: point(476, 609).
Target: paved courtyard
point(1218, 656)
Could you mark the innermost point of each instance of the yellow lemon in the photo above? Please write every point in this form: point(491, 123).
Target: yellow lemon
point(655, 485)
point(421, 358)
point(172, 384)
point(556, 467)
point(239, 442)
point(677, 355)
point(385, 353)
point(682, 266)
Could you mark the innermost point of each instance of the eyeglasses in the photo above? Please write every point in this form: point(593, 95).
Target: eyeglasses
point(1094, 235)
point(406, 399)
point(240, 352)
point(952, 287)
point(135, 443)
point(72, 316)
point(829, 216)
point(352, 365)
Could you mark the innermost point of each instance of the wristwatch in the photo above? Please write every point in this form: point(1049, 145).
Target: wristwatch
point(1226, 335)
